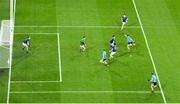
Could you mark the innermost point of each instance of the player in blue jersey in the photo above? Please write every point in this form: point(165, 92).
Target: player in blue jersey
point(103, 60)
point(130, 42)
point(113, 51)
point(124, 21)
point(153, 81)
point(112, 41)
point(26, 44)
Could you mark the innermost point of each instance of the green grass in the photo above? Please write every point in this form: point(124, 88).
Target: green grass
point(83, 72)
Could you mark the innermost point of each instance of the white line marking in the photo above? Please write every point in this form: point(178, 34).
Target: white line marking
point(34, 81)
point(4, 67)
point(77, 26)
point(152, 60)
point(4, 47)
point(12, 20)
point(45, 92)
point(59, 58)
point(35, 33)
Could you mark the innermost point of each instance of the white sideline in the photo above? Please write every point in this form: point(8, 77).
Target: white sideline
point(77, 26)
point(150, 54)
point(45, 92)
point(59, 58)
point(34, 81)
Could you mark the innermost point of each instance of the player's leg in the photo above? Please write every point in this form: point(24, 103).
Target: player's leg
point(123, 23)
point(128, 47)
point(101, 61)
point(112, 55)
point(152, 87)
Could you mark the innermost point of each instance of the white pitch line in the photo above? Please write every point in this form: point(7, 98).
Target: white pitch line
point(45, 92)
point(35, 33)
point(4, 67)
point(150, 54)
point(4, 47)
point(12, 20)
point(34, 81)
point(59, 58)
point(76, 26)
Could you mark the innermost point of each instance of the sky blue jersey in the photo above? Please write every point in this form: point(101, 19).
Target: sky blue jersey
point(153, 78)
point(104, 55)
point(129, 39)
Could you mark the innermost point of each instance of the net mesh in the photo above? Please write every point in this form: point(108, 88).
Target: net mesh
point(5, 45)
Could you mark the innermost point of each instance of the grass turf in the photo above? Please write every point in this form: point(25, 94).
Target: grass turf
point(127, 72)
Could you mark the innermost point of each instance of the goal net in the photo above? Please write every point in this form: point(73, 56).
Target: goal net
point(5, 43)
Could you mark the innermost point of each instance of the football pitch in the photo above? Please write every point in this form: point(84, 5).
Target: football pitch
point(54, 70)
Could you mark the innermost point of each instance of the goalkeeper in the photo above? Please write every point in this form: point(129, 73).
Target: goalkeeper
point(26, 44)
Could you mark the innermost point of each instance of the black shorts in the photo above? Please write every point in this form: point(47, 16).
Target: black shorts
point(104, 59)
point(154, 83)
point(130, 42)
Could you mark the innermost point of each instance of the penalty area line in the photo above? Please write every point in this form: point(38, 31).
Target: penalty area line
point(45, 92)
point(76, 26)
point(150, 54)
point(34, 81)
point(59, 57)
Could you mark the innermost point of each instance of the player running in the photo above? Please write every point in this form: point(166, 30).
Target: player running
point(112, 41)
point(82, 44)
point(130, 42)
point(103, 60)
point(153, 81)
point(113, 51)
point(124, 21)
point(26, 44)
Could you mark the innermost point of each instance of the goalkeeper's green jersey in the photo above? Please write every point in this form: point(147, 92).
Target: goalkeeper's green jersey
point(82, 42)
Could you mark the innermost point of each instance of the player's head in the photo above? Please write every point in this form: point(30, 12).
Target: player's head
point(114, 43)
point(104, 49)
point(29, 37)
point(152, 73)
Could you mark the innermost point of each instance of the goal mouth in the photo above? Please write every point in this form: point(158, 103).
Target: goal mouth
point(5, 44)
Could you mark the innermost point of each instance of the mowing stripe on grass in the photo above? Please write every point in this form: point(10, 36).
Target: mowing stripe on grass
point(59, 58)
point(77, 26)
point(152, 60)
point(45, 92)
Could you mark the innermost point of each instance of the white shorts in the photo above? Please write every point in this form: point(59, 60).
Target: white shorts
point(112, 53)
point(124, 23)
point(82, 46)
point(25, 45)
